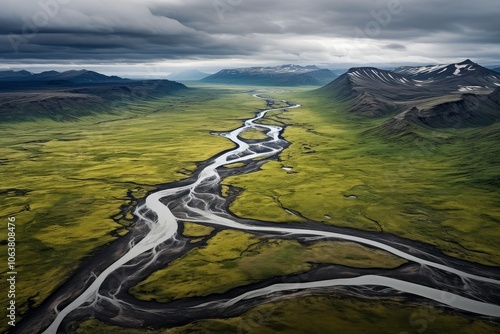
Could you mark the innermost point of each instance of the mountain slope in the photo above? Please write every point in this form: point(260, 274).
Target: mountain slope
point(58, 106)
point(470, 110)
point(384, 84)
point(286, 75)
point(373, 92)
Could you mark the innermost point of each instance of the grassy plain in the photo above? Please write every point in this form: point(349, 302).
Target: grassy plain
point(441, 188)
point(65, 181)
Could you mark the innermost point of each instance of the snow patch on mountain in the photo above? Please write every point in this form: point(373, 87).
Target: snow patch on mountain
point(470, 88)
point(459, 68)
point(296, 69)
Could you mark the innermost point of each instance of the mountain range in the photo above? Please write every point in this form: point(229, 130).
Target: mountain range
point(435, 96)
point(438, 96)
point(285, 75)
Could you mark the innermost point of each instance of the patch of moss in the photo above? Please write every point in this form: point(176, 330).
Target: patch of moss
point(193, 230)
point(254, 134)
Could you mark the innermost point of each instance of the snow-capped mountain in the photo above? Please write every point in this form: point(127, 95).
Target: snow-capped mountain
point(370, 91)
point(285, 75)
point(278, 69)
point(461, 70)
point(463, 77)
point(409, 83)
point(428, 95)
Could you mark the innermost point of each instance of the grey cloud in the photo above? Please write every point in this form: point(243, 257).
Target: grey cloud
point(337, 18)
point(395, 46)
point(135, 31)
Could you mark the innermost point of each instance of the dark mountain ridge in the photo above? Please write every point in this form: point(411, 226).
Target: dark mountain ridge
point(67, 77)
point(465, 76)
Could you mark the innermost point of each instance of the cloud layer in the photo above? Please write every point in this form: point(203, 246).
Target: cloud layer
point(342, 32)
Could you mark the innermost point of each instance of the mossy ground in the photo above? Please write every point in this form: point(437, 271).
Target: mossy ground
point(64, 181)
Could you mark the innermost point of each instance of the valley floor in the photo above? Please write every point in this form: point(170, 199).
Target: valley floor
point(73, 185)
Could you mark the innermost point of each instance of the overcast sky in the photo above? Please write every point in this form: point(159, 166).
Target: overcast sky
point(155, 37)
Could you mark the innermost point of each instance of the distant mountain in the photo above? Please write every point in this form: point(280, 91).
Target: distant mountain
point(285, 75)
point(54, 77)
point(496, 69)
point(439, 96)
point(187, 75)
point(69, 95)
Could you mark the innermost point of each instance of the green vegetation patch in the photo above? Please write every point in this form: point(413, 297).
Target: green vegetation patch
point(235, 165)
point(193, 230)
point(254, 134)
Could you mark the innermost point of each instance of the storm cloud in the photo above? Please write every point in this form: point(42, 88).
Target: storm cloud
point(248, 31)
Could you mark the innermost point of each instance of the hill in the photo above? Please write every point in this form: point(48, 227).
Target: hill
point(285, 75)
point(437, 96)
point(66, 96)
